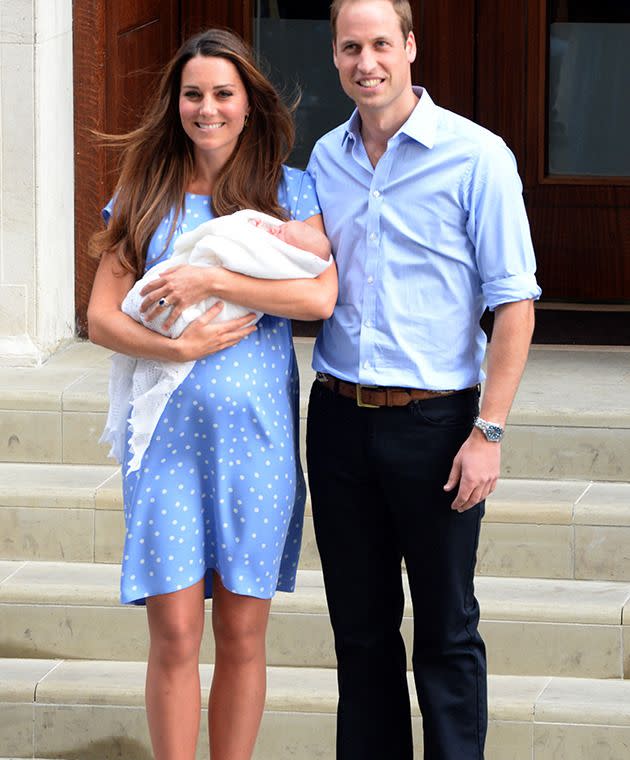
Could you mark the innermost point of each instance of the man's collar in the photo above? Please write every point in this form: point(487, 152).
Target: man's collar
point(422, 122)
point(420, 126)
point(352, 131)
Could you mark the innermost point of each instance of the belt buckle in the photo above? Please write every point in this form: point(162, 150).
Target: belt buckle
point(360, 401)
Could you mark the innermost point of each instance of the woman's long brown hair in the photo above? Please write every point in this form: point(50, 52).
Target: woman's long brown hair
point(157, 159)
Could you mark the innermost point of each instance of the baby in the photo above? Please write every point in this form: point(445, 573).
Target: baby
point(298, 234)
point(275, 250)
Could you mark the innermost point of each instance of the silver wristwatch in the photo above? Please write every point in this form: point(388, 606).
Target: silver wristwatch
point(491, 430)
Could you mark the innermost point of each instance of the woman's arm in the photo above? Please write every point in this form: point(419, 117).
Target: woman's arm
point(108, 326)
point(304, 298)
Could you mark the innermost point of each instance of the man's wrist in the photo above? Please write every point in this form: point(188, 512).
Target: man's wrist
point(492, 431)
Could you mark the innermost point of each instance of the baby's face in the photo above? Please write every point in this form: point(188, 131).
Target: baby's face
point(282, 232)
point(293, 233)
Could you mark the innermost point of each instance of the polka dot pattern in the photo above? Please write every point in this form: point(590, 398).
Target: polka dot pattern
point(220, 487)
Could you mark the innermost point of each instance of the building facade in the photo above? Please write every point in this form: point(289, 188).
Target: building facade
point(550, 76)
point(36, 179)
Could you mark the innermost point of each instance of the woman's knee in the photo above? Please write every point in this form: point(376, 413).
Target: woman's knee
point(175, 633)
point(176, 643)
point(239, 627)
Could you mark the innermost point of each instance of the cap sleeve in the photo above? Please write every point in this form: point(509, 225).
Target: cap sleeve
point(301, 196)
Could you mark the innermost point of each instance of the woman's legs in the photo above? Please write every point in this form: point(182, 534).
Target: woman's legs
point(172, 689)
point(237, 696)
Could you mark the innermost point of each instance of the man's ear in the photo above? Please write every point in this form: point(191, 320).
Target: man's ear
point(334, 50)
point(411, 47)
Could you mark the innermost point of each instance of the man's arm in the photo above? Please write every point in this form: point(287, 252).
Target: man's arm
point(477, 464)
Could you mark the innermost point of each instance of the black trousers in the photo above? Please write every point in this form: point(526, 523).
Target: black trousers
point(376, 478)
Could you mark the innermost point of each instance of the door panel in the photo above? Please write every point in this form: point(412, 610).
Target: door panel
point(573, 247)
point(130, 15)
point(202, 14)
point(141, 37)
point(577, 222)
point(446, 44)
point(500, 72)
point(90, 165)
point(119, 49)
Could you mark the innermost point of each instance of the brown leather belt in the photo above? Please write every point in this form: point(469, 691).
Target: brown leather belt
point(374, 396)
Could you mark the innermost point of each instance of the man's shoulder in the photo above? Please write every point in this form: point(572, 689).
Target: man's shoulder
point(331, 141)
point(472, 137)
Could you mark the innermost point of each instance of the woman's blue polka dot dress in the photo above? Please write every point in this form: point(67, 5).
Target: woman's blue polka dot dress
point(220, 487)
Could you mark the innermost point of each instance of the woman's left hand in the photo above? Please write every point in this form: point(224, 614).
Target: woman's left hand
point(177, 288)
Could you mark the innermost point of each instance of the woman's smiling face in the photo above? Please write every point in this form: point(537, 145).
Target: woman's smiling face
point(213, 105)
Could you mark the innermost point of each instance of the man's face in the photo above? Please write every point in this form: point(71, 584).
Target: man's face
point(372, 56)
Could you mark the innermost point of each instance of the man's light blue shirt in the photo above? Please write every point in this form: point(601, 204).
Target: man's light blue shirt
point(423, 243)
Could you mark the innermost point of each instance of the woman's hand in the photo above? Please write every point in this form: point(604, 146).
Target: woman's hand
point(180, 287)
point(203, 336)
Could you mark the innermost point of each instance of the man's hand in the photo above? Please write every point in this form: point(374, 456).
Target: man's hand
point(476, 469)
point(476, 466)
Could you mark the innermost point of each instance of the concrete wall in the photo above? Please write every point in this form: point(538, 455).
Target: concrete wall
point(36, 179)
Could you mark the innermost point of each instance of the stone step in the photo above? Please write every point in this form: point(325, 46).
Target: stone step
point(549, 529)
point(94, 711)
point(560, 628)
point(571, 417)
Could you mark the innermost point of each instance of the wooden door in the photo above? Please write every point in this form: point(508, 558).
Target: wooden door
point(580, 224)
point(484, 59)
point(120, 48)
point(445, 33)
point(202, 14)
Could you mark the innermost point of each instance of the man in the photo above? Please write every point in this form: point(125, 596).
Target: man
point(427, 223)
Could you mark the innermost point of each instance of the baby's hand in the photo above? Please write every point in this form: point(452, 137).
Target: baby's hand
point(270, 228)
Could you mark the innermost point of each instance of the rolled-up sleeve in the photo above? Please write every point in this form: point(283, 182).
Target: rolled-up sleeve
point(498, 227)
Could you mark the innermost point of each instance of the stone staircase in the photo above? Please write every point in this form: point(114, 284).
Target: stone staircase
point(553, 581)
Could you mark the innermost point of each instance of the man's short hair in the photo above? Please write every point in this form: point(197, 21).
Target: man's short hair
point(402, 8)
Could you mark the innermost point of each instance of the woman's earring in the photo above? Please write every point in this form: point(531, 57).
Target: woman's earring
point(246, 122)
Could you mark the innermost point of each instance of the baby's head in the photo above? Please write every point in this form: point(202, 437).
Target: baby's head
point(299, 235)
point(290, 232)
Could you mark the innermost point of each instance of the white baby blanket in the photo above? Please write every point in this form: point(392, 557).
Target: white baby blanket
point(230, 241)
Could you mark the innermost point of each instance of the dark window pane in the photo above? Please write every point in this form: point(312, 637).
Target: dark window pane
point(293, 38)
point(589, 82)
point(587, 11)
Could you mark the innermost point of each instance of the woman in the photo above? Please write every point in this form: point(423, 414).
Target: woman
point(216, 506)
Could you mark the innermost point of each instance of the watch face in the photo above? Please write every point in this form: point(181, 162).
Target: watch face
point(494, 433)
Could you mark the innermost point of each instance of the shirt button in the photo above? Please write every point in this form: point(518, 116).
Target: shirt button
point(370, 280)
point(368, 323)
point(366, 365)
point(376, 194)
point(373, 236)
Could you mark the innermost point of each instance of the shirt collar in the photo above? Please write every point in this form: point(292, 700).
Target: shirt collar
point(352, 131)
point(420, 126)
